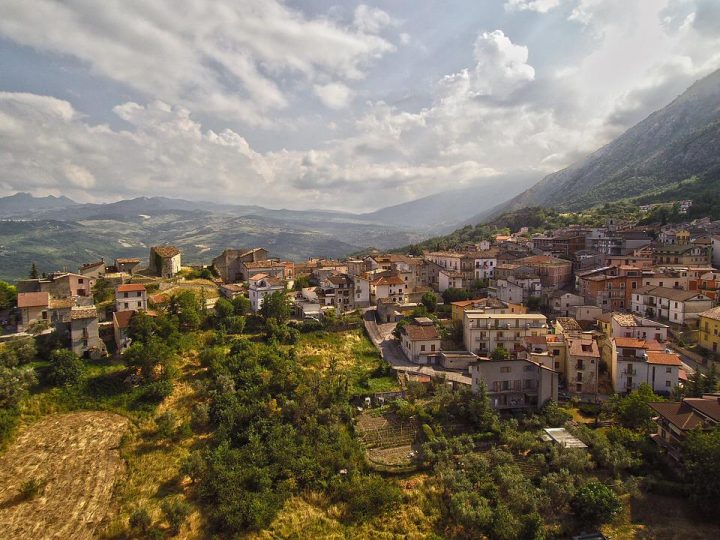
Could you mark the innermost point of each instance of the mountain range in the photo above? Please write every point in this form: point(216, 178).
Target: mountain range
point(59, 233)
point(678, 143)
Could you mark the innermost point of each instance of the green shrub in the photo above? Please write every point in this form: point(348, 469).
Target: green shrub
point(595, 503)
point(140, 520)
point(165, 424)
point(66, 368)
point(156, 391)
point(367, 495)
point(30, 489)
point(176, 512)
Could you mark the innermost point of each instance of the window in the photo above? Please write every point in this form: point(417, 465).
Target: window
point(422, 347)
point(557, 366)
point(579, 377)
point(667, 384)
point(505, 369)
point(126, 305)
point(432, 348)
point(668, 370)
point(578, 387)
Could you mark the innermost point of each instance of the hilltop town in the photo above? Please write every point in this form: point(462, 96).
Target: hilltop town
point(586, 317)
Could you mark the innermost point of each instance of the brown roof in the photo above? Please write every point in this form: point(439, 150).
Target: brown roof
point(671, 294)
point(127, 261)
point(624, 319)
point(713, 314)
point(416, 332)
point(166, 251)
point(663, 358)
point(33, 299)
point(688, 413)
point(131, 287)
point(83, 313)
point(637, 343)
point(263, 264)
point(88, 266)
point(388, 280)
point(544, 259)
point(122, 318)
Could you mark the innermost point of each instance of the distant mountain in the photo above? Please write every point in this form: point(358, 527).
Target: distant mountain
point(22, 203)
point(446, 210)
point(673, 144)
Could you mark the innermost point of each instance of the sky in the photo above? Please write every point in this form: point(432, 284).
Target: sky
point(318, 105)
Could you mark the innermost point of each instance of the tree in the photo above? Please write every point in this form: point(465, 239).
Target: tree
point(8, 295)
point(500, 353)
point(595, 503)
point(186, 308)
point(33, 271)
point(66, 368)
point(14, 384)
point(103, 291)
point(429, 300)
point(18, 352)
point(241, 305)
point(276, 306)
point(301, 282)
point(634, 410)
point(149, 358)
point(454, 295)
point(142, 327)
point(701, 453)
point(224, 308)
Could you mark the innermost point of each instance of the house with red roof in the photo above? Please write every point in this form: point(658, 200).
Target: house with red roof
point(130, 296)
point(634, 361)
point(675, 419)
point(420, 341)
point(33, 307)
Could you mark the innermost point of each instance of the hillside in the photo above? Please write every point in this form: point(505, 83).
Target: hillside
point(675, 143)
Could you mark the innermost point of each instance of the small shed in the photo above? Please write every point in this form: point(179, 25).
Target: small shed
point(562, 437)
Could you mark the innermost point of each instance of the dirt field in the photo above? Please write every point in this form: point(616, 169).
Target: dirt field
point(75, 458)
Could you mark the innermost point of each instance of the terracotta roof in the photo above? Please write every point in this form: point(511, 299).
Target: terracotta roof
point(127, 261)
point(630, 342)
point(131, 287)
point(33, 299)
point(452, 273)
point(568, 323)
point(388, 280)
point(583, 347)
point(663, 358)
point(233, 287)
point(166, 251)
point(159, 298)
point(122, 318)
point(257, 277)
point(83, 313)
point(625, 319)
point(713, 314)
point(416, 332)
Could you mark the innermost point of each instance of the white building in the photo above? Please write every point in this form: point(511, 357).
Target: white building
point(632, 326)
point(450, 279)
point(130, 296)
point(637, 361)
point(674, 305)
point(420, 341)
point(261, 285)
point(484, 332)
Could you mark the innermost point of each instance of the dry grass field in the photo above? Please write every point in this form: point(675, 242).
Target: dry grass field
point(75, 460)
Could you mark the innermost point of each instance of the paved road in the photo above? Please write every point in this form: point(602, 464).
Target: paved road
point(381, 336)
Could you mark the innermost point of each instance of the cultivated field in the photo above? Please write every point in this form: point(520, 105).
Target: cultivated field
point(75, 459)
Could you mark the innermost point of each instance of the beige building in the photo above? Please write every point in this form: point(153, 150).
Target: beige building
point(229, 263)
point(420, 341)
point(582, 365)
point(484, 332)
point(84, 333)
point(515, 384)
point(634, 361)
point(33, 307)
point(130, 296)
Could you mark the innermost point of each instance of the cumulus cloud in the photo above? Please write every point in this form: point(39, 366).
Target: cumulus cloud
point(541, 6)
point(502, 108)
point(333, 95)
point(223, 57)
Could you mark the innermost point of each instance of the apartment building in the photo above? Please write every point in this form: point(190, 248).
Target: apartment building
point(484, 332)
point(515, 384)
